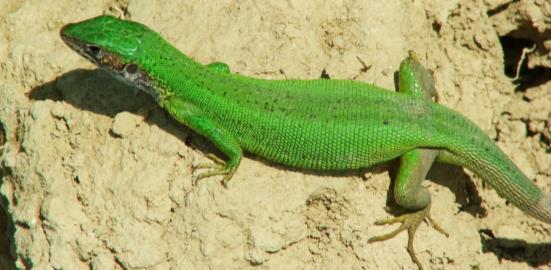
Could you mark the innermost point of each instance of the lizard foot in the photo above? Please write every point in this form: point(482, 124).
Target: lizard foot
point(409, 222)
point(220, 167)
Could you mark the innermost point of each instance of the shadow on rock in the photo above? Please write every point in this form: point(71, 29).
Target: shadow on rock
point(98, 92)
point(517, 250)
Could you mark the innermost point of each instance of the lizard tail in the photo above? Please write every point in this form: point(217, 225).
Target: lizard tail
point(492, 165)
point(542, 209)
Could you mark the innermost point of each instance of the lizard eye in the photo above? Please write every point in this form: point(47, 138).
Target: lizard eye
point(94, 51)
point(131, 68)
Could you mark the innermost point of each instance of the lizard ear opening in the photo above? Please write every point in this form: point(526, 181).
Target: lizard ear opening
point(131, 68)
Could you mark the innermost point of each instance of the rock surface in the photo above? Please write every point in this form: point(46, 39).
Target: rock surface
point(90, 181)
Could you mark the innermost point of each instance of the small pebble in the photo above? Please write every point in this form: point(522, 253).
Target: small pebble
point(124, 124)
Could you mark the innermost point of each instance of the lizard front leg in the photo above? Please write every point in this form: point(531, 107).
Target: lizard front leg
point(191, 116)
point(219, 67)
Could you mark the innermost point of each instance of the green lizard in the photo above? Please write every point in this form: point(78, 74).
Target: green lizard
point(315, 124)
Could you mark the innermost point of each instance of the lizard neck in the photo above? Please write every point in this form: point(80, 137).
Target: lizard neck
point(169, 72)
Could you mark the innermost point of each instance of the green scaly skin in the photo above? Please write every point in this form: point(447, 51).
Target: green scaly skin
point(315, 124)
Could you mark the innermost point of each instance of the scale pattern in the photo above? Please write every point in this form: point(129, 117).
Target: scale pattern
point(319, 124)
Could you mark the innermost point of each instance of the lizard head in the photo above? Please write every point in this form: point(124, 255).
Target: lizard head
point(103, 36)
point(111, 44)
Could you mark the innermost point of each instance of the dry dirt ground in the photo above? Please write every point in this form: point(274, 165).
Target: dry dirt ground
point(95, 176)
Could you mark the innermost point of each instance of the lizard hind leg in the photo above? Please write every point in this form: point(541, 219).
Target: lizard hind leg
point(410, 195)
point(416, 82)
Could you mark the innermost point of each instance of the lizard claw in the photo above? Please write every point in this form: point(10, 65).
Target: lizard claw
point(216, 159)
point(409, 222)
point(218, 170)
point(219, 167)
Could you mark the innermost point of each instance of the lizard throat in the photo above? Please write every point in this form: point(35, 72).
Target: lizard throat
point(140, 80)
